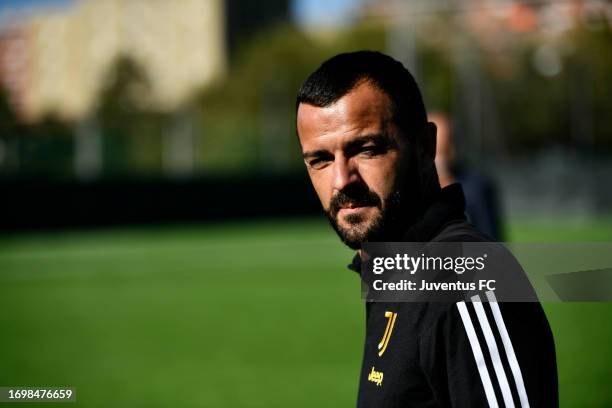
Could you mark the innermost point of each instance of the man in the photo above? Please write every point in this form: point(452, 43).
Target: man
point(481, 203)
point(369, 151)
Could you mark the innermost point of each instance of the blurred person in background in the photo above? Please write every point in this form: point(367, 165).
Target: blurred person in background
point(481, 199)
point(369, 151)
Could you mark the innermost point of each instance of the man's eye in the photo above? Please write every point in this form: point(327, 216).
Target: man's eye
point(318, 163)
point(370, 151)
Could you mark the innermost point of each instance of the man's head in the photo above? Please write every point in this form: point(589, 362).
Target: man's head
point(445, 148)
point(367, 145)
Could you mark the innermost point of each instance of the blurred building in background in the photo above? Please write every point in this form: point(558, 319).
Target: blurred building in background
point(15, 66)
point(55, 62)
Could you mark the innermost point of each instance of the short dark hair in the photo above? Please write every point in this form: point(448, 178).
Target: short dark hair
point(340, 74)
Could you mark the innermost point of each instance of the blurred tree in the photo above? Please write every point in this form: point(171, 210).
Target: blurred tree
point(8, 135)
point(591, 63)
point(46, 149)
point(8, 117)
point(247, 118)
point(247, 17)
point(131, 128)
point(558, 92)
point(126, 90)
point(41, 150)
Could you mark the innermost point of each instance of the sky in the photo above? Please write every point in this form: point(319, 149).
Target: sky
point(22, 4)
point(317, 13)
point(324, 12)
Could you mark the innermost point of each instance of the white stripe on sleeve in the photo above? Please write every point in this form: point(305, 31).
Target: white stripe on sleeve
point(492, 345)
point(480, 361)
point(514, 365)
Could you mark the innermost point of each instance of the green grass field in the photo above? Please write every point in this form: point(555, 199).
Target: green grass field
point(262, 314)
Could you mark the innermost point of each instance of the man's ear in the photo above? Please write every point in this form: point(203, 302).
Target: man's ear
point(429, 140)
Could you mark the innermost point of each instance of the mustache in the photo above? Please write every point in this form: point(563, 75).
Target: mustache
point(357, 196)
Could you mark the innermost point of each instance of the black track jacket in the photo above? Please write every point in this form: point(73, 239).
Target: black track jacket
point(461, 354)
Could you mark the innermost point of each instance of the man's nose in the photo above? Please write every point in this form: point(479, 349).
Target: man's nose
point(345, 173)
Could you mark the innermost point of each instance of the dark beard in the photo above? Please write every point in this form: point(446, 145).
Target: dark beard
point(382, 228)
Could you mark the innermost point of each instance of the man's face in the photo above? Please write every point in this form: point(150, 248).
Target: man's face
point(355, 156)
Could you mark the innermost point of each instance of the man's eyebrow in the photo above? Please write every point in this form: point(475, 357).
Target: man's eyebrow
point(371, 137)
point(356, 142)
point(314, 153)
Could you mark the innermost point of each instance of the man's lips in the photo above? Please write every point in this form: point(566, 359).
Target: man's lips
point(352, 209)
